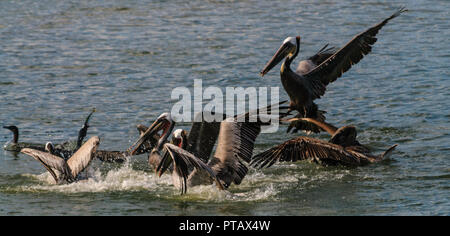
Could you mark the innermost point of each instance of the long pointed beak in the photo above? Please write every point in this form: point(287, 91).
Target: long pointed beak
point(281, 53)
point(154, 128)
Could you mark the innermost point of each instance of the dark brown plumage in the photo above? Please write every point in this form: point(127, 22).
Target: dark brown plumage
point(235, 135)
point(341, 149)
point(311, 84)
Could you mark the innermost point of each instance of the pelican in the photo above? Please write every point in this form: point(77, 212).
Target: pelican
point(313, 75)
point(60, 152)
point(66, 171)
point(189, 154)
point(149, 143)
point(165, 123)
point(341, 149)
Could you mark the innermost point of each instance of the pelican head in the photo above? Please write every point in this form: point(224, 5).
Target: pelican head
point(164, 122)
point(179, 138)
point(49, 147)
point(289, 47)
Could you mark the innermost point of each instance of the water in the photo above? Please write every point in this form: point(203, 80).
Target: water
point(58, 59)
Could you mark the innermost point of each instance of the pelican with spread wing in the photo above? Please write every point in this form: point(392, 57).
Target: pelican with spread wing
point(66, 171)
point(188, 156)
point(341, 149)
point(314, 74)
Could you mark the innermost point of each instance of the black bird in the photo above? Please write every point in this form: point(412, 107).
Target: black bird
point(15, 146)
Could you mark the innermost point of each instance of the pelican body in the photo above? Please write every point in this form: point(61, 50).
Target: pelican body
point(66, 171)
point(341, 149)
point(188, 155)
point(309, 82)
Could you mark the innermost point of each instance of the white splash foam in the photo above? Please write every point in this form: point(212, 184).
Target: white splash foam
point(257, 185)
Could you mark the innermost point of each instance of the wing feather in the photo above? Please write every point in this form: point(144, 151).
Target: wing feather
point(237, 138)
point(304, 148)
point(81, 158)
point(182, 161)
point(203, 136)
point(50, 162)
point(341, 61)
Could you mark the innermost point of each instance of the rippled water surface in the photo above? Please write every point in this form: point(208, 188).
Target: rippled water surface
point(58, 59)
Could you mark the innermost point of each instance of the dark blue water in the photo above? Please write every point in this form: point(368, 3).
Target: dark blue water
point(59, 59)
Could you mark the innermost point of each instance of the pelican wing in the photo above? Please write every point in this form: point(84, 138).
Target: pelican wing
point(236, 142)
point(340, 62)
point(202, 137)
point(306, 66)
point(304, 148)
point(81, 159)
point(111, 156)
point(237, 138)
point(49, 161)
point(182, 161)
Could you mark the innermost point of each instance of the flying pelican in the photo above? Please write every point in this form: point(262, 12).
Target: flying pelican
point(341, 149)
point(314, 74)
point(236, 137)
point(66, 171)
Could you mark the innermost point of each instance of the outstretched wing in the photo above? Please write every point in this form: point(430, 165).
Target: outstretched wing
point(237, 138)
point(49, 161)
point(340, 62)
point(81, 158)
point(306, 66)
point(203, 135)
point(304, 148)
point(182, 162)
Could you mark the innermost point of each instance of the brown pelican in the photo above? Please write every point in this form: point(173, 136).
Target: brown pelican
point(314, 74)
point(62, 170)
point(60, 152)
point(165, 123)
point(341, 149)
point(190, 154)
point(148, 145)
